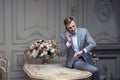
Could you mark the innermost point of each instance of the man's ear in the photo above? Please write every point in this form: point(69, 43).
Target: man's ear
point(66, 29)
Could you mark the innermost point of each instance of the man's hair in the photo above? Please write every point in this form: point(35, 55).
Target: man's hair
point(68, 20)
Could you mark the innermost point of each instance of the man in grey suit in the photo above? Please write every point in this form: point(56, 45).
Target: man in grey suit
point(76, 44)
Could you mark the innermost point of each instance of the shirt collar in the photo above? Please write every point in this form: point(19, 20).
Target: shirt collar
point(75, 33)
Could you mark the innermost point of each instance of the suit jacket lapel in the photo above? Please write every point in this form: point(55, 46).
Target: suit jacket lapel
point(78, 38)
point(72, 45)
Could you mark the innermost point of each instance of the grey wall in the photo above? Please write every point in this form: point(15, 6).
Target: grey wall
point(23, 21)
point(101, 18)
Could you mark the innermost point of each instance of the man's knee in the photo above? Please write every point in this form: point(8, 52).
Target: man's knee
point(94, 69)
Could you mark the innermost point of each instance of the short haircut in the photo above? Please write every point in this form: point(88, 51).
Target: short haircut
point(68, 20)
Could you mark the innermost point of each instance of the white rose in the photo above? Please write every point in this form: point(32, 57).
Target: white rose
point(32, 46)
point(52, 50)
point(35, 52)
point(44, 53)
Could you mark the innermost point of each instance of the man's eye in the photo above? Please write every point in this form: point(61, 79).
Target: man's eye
point(69, 28)
point(73, 26)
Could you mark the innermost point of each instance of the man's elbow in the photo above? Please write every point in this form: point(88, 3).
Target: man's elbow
point(94, 45)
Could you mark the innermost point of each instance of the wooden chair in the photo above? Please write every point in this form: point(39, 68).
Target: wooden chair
point(3, 69)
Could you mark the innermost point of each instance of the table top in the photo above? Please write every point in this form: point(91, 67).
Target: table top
point(54, 72)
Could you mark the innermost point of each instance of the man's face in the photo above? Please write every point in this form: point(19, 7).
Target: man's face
point(72, 27)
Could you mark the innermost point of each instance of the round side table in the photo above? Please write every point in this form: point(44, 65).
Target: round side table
point(54, 72)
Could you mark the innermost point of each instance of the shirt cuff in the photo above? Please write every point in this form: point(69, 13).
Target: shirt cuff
point(68, 44)
point(85, 51)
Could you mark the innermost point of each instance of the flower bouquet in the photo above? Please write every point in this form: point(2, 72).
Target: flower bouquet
point(43, 50)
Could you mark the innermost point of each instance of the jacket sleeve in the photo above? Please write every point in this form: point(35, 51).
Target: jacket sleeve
point(63, 47)
point(91, 43)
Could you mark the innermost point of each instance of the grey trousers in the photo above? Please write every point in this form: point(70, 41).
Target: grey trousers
point(82, 65)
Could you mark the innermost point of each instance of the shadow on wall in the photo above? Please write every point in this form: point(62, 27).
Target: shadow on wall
point(117, 14)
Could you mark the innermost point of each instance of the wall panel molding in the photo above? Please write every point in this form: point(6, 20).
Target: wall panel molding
point(108, 63)
point(2, 22)
point(2, 54)
point(43, 24)
point(24, 21)
point(32, 20)
point(104, 32)
point(17, 60)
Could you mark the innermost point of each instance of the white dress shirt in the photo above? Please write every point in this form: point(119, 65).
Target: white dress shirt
point(75, 43)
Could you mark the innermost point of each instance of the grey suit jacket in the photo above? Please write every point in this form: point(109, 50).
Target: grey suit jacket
point(85, 41)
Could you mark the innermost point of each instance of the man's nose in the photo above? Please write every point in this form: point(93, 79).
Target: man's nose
point(73, 28)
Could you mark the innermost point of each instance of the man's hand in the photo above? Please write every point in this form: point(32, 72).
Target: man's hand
point(68, 36)
point(78, 54)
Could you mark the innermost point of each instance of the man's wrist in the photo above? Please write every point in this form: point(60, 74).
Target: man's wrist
point(69, 40)
point(83, 51)
point(68, 44)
